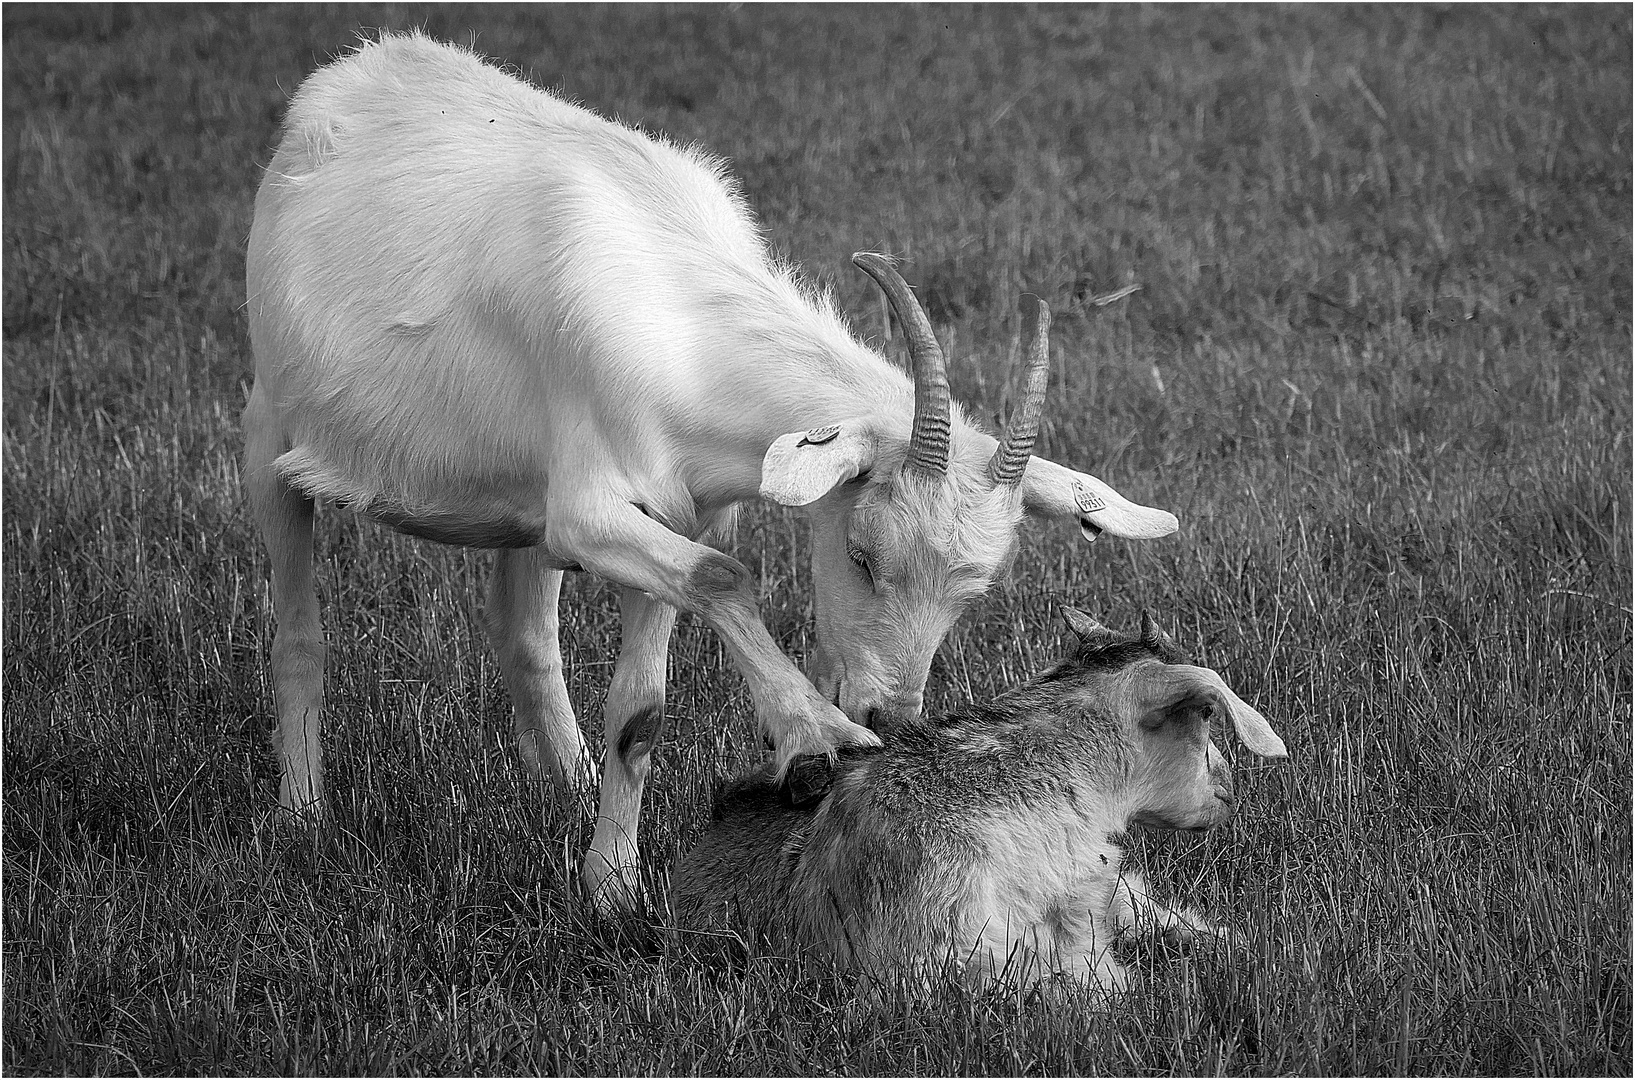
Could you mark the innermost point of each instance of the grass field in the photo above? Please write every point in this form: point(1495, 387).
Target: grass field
point(1380, 367)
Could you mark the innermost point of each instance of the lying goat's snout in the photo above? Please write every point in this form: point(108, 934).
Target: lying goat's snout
point(1220, 776)
point(1220, 808)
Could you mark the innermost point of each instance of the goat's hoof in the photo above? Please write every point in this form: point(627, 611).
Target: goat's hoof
point(809, 779)
point(302, 813)
point(612, 891)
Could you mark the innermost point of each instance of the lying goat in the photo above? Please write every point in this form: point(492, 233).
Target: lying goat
point(986, 839)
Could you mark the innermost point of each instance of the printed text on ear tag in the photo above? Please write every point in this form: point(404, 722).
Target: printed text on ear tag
point(819, 435)
point(1086, 502)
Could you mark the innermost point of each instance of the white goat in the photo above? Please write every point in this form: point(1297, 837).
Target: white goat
point(484, 316)
point(985, 841)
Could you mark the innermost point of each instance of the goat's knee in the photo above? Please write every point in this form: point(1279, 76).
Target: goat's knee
point(635, 723)
point(637, 736)
point(610, 868)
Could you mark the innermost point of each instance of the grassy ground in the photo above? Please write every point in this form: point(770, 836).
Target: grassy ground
point(1380, 367)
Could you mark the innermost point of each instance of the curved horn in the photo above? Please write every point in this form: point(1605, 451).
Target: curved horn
point(1010, 461)
point(928, 445)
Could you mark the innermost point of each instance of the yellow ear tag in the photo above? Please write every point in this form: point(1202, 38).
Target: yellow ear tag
point(819, 435)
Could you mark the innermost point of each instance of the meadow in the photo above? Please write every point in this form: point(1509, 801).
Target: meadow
point(1379, 366)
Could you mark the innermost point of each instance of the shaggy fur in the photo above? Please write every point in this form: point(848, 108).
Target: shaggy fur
point(985, 841)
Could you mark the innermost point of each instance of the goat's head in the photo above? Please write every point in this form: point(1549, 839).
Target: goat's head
point(1165, 708)
point(912, 522)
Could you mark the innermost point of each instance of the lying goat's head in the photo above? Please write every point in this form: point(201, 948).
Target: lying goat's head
point(911, 522)
point(1163, 709)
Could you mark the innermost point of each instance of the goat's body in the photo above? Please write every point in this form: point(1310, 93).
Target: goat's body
point(488, 374)
point(1007, 874)
point(984, 845)
point(485, 316)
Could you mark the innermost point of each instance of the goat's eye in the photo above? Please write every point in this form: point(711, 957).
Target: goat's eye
point(859, 558)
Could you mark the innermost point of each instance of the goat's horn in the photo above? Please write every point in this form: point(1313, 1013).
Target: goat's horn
point(1010, 461)
point(1151, 635)
point(1085, 628)
point(928, 445)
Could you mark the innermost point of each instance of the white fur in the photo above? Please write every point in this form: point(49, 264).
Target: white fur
point(487, 316)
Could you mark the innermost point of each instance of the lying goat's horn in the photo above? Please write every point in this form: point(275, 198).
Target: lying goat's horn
point(928, 446)
point(1010, 461)
point(1152, 636)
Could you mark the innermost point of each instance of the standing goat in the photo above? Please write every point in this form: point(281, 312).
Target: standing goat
point(986, 840)
point(484, 316)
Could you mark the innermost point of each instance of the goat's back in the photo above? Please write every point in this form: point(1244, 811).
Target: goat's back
point(419, 151)
point(862, 879)
point(487, 280)
point(737, 875)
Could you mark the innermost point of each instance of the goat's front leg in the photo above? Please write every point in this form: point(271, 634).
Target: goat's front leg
point(1096, 968)
point(523, 628)
point(619, 542)
point(635, 721)
point(1135, 913)
point(1076, 941)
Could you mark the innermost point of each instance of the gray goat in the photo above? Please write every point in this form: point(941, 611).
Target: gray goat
point(985, 842)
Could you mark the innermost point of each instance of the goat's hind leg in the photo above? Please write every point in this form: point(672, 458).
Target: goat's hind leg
point(523, 626)
point(635, 720)
point(284, 517)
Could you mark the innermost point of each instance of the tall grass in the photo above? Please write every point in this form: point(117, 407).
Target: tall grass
point(1380, 367)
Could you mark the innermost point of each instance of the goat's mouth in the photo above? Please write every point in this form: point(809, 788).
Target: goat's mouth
point(1150, 819)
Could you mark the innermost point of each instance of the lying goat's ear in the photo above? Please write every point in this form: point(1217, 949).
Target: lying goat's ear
point(1194, 708)
point(1253, 728)
point(1163, 688)
point(1054, 491)
point(804, 466)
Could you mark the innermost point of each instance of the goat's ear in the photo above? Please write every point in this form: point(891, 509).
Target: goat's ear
point(803, 466)
point(1193, 708)
point(1253, 728)
point(1054, 491)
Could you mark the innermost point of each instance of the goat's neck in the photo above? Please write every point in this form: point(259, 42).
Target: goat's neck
point(1085, 780)
point(1094, 779)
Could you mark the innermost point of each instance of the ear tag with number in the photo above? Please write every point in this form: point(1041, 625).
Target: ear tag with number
point(819, 435)
point(1087, 503)
point(1085, 500)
